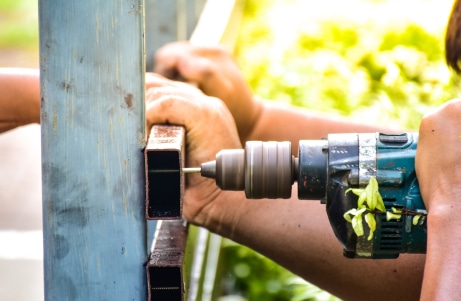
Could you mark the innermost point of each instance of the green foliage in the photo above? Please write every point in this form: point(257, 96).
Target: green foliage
point(414, 36)
point(19, 24)
point(389, 75)
point(252, 276)
point(369, 201)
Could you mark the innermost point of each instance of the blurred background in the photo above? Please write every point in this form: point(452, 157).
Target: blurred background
point(19, 33)
point(21, 267)
point(374, 61)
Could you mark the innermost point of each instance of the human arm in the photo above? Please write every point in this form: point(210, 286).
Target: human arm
point(296, 234)
point(215, 72)
point(19, 98)
point(438, 167)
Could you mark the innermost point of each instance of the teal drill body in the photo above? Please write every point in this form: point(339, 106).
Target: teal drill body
point(400, 236)
point(325, 169)
point(351, 160)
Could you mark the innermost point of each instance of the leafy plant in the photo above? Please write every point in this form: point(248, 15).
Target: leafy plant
point(371, 203)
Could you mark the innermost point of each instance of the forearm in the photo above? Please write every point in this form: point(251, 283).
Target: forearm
point(442, 272)
point(297, 235)
point(20, 97)
point(280, 122)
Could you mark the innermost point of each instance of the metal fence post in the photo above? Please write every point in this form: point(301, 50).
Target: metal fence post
point(169, 21)
point(93, 132)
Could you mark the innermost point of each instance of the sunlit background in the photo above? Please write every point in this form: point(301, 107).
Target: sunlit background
point(19, 33)
point(374, 61)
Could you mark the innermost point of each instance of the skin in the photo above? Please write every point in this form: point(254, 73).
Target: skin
point(20, 99)
point(438, 167)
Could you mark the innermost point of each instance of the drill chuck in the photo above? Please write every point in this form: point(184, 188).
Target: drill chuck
point(262, 169)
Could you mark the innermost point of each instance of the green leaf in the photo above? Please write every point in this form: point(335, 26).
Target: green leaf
point(347, 217)
point(371, 221)
point(372, 191)
point(390, 215)
point(356, 191)
point(380, 204)
point(395, 210)
point(362, 199)
point(357, 224)
point(416, 219)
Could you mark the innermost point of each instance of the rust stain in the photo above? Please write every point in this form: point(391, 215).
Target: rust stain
point(129, 100)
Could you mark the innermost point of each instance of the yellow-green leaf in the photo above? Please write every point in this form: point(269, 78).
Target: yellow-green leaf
point(391, 215)
point(380, 204)
point(371, 221)
point(362, 199)
point(416, 219)
point(353, 212)
point(357, 224)
point(356, 191)
point(395, 210)
point(347, 217)
point(372, 190)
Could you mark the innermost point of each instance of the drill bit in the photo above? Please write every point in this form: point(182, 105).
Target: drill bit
point(191, 169)
point(184, 170)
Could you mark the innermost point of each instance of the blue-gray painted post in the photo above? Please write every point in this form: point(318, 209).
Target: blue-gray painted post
point(193, 11)
point(93, 133)
point(161, 26)
point(164, 24)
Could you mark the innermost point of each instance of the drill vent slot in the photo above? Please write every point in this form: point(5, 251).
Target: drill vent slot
point(391, 236)
point(391, 231)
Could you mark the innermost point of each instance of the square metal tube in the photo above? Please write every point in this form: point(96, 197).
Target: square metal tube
point(165, 271)
point(164, 160)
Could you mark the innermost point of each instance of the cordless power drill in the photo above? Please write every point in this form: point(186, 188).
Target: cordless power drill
point(325, 170)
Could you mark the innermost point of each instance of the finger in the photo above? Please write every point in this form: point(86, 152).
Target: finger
point(173, 89)
point(204, 117)
point(154, 80)
point(167, 57)
point(192, 64)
